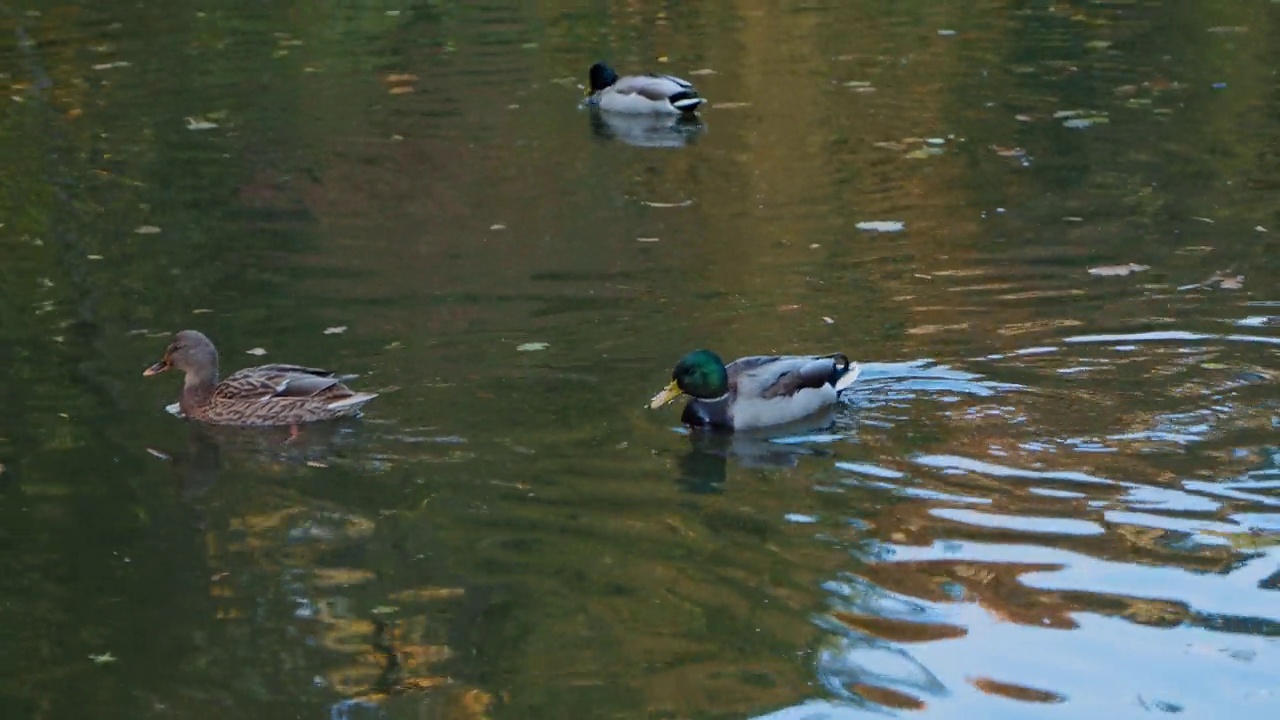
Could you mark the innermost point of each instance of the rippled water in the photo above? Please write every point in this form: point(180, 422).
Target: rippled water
point(1052, 493)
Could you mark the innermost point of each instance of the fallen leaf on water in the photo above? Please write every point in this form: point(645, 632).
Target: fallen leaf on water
point(1080, 123)
point(335, 330)
point(662, 58)
point(102, 659)
point(828, 320)
point(146, 230)
point(648, 239)
point(400, 78)
point(1126, 90)
point(94, 257)
point(881, 225)
point(256, 351)
point(1223, 279)
point(74, 113)
point(788, 308)
point(195, 123)
point(1024, 117)
point(702, 71)
point(923, 153)
point(730, 105)
point(498, 227)
point(1117, 270)
point(532, 346)
point(401, 89)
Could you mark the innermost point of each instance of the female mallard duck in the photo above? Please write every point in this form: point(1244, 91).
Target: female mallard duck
point(641, 94)
point(755, 392)
point(263, 395)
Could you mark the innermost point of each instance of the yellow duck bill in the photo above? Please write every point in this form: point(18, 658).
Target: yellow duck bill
point(669, 393)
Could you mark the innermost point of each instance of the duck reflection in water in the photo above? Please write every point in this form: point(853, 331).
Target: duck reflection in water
point(649, 131)
point(198, 466)
point(703, 469)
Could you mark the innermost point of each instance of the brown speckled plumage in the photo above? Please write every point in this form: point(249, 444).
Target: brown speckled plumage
point(263, 395)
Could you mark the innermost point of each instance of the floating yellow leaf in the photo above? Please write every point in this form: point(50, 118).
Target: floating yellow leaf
point(401, 90)
point(1117, 270)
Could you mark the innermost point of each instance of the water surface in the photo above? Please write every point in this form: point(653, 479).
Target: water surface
point(1053, 493)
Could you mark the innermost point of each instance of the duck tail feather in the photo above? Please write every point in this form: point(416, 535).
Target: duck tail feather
point(352, 402)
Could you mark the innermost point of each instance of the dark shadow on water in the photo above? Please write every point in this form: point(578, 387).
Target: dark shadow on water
point(199, 464)
point(703, 468)
point(650, 131)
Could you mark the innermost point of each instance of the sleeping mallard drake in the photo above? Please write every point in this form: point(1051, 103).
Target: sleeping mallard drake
point(641, 94)
point(755, 392)
point(263, 395)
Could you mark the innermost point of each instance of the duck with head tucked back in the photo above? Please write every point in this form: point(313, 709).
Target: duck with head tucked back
point(651, 94)
point(263, 395)
point(755, 392)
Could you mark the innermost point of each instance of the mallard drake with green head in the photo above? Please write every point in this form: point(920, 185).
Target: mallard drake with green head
point(652, 94)
point(755, 392)
point(263, 395)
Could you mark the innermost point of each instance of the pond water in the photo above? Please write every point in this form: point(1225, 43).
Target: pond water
point(1054, 492)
